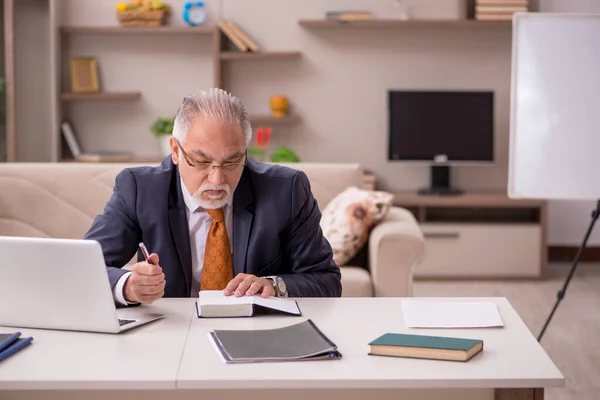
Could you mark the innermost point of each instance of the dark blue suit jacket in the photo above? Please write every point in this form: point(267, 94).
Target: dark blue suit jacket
point(275, 228)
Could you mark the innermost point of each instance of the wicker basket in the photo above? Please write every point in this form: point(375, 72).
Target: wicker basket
point(142, 18)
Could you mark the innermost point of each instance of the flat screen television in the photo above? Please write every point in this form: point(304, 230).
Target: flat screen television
point(442, 128)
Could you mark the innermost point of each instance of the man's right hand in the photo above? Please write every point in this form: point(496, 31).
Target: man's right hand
point(146, 282)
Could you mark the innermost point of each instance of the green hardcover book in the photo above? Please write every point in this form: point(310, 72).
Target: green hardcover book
point(429, 347)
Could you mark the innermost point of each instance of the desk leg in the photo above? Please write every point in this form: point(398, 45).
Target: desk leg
point(519, 394)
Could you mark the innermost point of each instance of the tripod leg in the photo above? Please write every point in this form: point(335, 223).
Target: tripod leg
point(562, 292)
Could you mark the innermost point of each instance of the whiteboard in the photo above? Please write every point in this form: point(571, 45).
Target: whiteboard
point(554, 147)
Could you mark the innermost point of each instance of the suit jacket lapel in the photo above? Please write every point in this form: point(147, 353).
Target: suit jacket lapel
point(243, 213)
point(178, 225)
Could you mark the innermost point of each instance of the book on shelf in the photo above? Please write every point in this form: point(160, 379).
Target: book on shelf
point(214, 304)
point(499, 10)
point(96, 156)
point(494, 17)
point(503, 3)
point(238, 36)
point(240, 33)
point(425, 347)
point(302, 341)
point(349, 15)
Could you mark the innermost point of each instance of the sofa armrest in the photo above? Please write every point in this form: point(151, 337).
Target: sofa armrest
point(396, 246)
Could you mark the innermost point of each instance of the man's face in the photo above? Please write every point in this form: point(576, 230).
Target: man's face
point(217, 153)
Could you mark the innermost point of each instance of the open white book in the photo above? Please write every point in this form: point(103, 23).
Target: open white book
point(214, 303)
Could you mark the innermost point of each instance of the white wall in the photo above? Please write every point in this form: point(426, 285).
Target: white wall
point(338, 86)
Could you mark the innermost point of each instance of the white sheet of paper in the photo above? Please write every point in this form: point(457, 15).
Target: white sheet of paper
point(218, 297)
point(448, 314)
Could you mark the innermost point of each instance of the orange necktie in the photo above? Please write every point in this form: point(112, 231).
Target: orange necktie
point(217, 270)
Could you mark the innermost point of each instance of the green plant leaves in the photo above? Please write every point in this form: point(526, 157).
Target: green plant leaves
point(162, 126)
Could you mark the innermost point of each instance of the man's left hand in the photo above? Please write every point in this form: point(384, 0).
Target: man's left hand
point(248, 285)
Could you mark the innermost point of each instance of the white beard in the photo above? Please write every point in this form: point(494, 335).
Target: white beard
point(212, 203)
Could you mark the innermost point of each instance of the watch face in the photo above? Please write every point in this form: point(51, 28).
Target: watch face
point(197, 14)
point(281, 285)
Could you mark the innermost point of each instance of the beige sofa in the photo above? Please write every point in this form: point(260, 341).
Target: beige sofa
point(60, 200)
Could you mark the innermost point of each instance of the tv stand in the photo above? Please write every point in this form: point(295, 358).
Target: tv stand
point(440, 183)
point(479, 235)
point(440, 191)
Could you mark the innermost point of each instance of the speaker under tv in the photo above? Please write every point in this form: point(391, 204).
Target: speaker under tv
point(442, 129)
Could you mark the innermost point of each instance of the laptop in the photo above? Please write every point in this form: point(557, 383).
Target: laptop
point(60, 284)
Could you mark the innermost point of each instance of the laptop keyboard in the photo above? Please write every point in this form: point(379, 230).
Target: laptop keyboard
point(125, 321)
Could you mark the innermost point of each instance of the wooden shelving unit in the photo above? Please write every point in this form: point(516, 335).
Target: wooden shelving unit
point(399, 24)
point(102, 96)
point(117, 30)
point(135, 160)
point(273, 55)
point(222, 52)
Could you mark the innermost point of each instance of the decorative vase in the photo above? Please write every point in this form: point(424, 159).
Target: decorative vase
point(279, 106)
point(165, 147)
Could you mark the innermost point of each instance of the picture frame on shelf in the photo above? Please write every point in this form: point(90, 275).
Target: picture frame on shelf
point(84, 75)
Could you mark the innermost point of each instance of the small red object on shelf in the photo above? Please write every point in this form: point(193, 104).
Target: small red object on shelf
point(263, 134)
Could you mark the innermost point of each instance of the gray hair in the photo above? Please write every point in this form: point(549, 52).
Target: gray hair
point(214, 104)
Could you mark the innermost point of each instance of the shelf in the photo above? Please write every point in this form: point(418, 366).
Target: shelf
point(274, 55)
point(134, 160)
point(269, 120)
point(475, 199)
point(102, 96)
point(392, 23)
point(167, 30)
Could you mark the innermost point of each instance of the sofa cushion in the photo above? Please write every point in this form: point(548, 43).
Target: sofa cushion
point(348, 219)
point(356, 282)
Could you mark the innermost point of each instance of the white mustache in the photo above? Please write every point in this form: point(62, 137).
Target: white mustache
point(210, 186)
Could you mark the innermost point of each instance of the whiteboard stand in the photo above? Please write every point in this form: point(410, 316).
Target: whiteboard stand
point(555, 113)
point(561, 293)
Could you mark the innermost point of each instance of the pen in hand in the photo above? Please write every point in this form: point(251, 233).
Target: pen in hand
point(145, 284)
point(145, 253)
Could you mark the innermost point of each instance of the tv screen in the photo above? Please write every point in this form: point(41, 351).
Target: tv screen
point(434, 125)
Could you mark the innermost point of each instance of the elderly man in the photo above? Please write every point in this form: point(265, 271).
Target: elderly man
point(213, 218)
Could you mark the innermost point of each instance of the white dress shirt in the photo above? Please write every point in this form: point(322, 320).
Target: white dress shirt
point(198, 225)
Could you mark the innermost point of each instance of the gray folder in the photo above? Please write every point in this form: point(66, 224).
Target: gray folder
point(298, 342)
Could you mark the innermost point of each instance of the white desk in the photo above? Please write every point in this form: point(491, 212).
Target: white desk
point(146, 357)
point(159, 356)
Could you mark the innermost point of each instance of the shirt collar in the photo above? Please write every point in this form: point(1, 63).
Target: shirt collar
point(191, 203)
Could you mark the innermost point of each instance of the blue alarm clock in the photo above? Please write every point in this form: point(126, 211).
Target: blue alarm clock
point(194, 12)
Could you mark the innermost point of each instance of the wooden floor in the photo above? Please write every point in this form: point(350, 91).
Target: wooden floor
point(572, 339)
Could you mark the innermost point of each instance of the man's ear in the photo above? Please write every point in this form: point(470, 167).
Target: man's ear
point(174, 150)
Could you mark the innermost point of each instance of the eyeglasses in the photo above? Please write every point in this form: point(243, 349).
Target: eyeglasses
point(204, 166)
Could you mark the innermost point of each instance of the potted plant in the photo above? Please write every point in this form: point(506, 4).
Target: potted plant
point(143, 13)
point(284, 155)
point(260, 151)
point(162, 129)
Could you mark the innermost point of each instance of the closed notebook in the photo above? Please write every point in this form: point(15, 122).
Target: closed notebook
point(214, 304)
point(429, 347)
point(297, 342)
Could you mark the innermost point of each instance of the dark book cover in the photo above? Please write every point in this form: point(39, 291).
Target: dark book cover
point(301, 341)
point(422, 341)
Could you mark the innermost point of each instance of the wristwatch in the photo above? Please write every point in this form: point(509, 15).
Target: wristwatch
point(278, 286)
